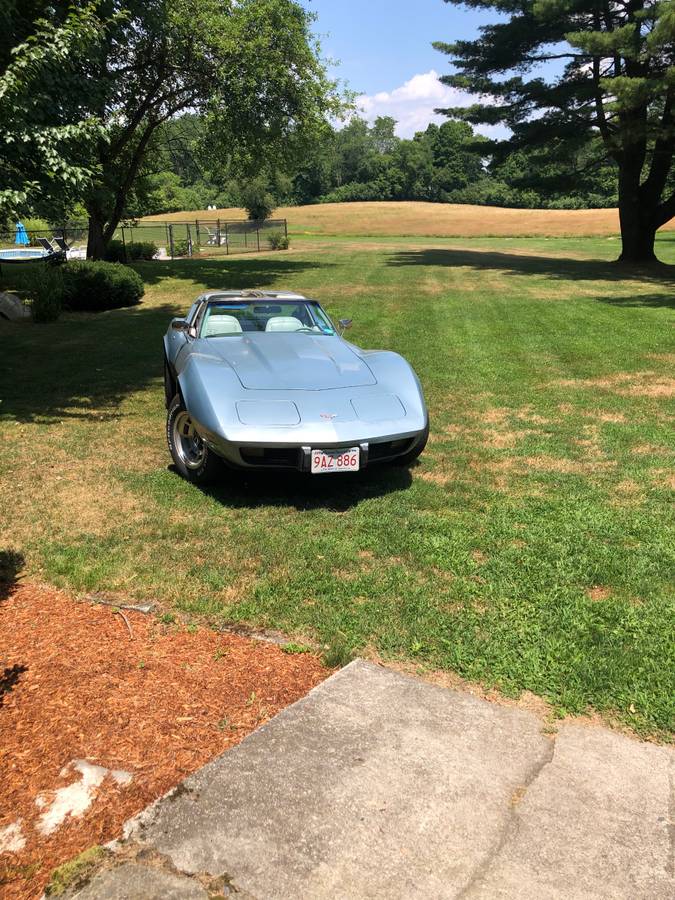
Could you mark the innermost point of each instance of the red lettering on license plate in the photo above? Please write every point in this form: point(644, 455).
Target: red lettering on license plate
point(335, 460)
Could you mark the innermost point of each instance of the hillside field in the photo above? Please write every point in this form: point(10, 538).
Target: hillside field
point(427, 220)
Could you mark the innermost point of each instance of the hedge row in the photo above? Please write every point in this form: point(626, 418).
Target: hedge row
point(118, 251)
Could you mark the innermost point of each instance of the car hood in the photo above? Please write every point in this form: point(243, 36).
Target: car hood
point(291, 361)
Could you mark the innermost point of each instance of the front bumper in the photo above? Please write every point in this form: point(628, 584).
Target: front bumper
point(298, 457)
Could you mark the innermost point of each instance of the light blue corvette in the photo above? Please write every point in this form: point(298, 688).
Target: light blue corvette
point(262, 379)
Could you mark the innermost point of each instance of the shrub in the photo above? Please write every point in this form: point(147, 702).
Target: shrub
point(97, 286)
point(115, 251)
point(356, 191)
point(119, 252)
point(181, 248)
point(567, 203)
point(46, 307)
point(278, 241)
point(43, 286)
point(256, 199)
point(142, 250)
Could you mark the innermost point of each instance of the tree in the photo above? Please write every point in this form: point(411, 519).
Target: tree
point(256, 198)
point(45, 136)
point(456, 163)
point(617, 82)
point(250, 67)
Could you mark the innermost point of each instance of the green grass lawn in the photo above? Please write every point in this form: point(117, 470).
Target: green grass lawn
point(530, 549)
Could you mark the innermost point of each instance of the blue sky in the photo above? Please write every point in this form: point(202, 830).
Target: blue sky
point(385, 53)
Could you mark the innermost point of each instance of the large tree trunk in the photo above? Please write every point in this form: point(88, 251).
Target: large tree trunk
point(96, 243)
point(637, 216)
point(637, 237)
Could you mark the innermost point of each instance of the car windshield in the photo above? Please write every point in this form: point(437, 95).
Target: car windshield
point(232, 317)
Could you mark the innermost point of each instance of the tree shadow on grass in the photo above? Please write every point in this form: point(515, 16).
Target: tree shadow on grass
point(647, 301)
point(339, 493)
point(226, 273)
point(83, 366)
point(80, 367)
point(524, 264)
point(11, 564)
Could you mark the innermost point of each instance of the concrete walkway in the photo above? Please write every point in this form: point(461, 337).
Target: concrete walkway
point(377, 785)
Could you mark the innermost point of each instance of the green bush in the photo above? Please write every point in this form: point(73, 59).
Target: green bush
point(255, 197)
point(181, 248)
point(119, 252)
point(278, 241)
point(97, 286)
point(42, 285)
point(46, 307)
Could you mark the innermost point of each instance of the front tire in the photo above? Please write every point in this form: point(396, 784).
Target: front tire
point(190, 455)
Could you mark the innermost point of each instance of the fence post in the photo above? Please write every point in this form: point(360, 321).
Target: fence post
point(171, 239)
point(286, 228)
point(124, 246)
point(245, 238)
point(257, 232)
point(218, 232)
point(227, 240)
point(197, 235)
point(189, 240)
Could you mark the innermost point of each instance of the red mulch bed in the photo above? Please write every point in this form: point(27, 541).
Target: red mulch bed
point(158, 705)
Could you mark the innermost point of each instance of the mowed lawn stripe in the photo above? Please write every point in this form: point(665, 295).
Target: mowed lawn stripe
point(531, 548)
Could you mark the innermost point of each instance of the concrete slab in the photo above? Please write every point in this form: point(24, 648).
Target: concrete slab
point(131, 881)
point(595, 823)
point(377, 785)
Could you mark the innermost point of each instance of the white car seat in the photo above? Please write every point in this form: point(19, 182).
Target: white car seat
point(283, 323)
point(219, 325)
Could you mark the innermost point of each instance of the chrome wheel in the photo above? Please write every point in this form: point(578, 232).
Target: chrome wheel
point(189, 446)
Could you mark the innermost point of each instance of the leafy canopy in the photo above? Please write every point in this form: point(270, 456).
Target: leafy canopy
point(45, 134)
point(250, 68)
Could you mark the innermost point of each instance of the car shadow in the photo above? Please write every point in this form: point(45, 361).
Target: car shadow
point(337, 493)
point(527, 264)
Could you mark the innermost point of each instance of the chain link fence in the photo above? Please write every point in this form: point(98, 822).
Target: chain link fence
point(198, 238)
point(204, 237)
point(74, 234)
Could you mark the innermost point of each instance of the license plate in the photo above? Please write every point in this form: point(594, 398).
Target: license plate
point(327, 461)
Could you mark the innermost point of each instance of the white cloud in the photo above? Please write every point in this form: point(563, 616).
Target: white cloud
point(413, 104)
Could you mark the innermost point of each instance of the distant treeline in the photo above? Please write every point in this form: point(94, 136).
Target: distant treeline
point(449, 163)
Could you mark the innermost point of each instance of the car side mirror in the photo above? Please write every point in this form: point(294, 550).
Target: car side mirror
point(184, 327)
point(345, 324)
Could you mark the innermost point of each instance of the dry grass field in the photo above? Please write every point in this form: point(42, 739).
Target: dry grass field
point(429, 220)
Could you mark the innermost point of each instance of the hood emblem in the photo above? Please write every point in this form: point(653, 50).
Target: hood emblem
point(328, 416)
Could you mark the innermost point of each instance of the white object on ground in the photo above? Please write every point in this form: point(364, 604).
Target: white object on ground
point(75, 798)
point(11, 838)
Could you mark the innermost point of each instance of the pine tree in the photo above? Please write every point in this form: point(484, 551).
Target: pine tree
point(617, 81)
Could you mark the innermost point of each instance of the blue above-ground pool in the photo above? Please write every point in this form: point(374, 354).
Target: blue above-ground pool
point(24, 255)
